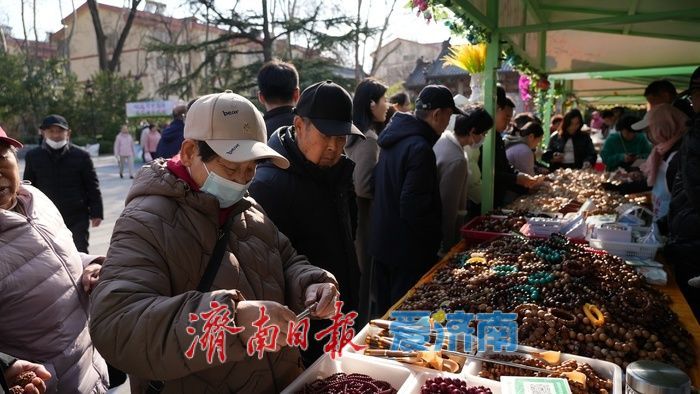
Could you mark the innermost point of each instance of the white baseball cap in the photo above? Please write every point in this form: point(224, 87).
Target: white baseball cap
point(642, 124)
point(232, 127)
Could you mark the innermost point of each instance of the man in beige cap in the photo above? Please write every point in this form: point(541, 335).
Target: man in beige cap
point(160, 276)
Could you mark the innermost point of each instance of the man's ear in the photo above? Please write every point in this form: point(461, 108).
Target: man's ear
point(188, 151)
point(261, 98)
point(298, 123)
point(295, 95)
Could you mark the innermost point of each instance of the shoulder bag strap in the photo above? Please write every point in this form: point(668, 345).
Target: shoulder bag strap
point(157, 386)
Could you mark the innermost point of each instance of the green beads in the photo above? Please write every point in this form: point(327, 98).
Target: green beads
point(540, 278)
point(525, 293)
point(548, 254)
point(504, 269)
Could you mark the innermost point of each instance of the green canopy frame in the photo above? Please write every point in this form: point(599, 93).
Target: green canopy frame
point(605, 52)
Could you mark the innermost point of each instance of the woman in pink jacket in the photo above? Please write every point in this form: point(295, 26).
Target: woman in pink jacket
point(124, 151)
point(44, 286)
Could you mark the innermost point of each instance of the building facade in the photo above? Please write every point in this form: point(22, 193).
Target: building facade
point(398, 58)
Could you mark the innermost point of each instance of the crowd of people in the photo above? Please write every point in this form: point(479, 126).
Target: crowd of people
point(327, 197)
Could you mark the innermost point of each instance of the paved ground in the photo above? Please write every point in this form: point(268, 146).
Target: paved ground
point(114, 192)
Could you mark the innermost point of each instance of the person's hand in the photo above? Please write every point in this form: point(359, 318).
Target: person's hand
point(248, 312)
point(37, 385)
point(95, 222)
point(325, 294)
point(630, 158)
point(557, 157)
point(528, 181)
point(91, 274)
point(586, 165)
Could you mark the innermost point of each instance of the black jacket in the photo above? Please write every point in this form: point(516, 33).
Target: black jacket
point(5, 362)
point(584, 151)
point(315, 208)
point(171, 139)
point(406, 212)
point(505, 176)
point(67, 176)
point(278, 117)
point(684, 210)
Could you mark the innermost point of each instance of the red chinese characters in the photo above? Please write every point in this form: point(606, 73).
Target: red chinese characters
point(265, 337)
point(217, 323)
point(298, 333)
point(340, 332)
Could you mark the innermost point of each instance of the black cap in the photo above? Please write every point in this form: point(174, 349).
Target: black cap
point(329, 107)
point(694, 82)
point(436, 96)
point(57, 120)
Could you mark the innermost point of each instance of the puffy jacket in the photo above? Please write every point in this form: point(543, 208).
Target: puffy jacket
point(43, 305)
point(406, 224)
point(684, 211)
point(584, 151)
point(315, 208)
point(67, 176)
point(160, 247)
point(171, 139)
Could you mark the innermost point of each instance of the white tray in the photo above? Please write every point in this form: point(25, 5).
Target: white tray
point(324, 367)
point(605, 369)
point(359, 339)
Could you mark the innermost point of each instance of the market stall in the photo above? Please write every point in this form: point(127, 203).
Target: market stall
point(583, 314)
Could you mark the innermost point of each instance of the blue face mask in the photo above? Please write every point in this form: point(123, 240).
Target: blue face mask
point(227, 192)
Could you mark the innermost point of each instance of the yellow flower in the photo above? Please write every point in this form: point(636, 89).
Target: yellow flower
point(467, 57)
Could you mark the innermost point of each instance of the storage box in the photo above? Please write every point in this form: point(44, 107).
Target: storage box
point(476, 236)
point(348, 363)
point(626, 249)
point(614, 232)
point(542, 227)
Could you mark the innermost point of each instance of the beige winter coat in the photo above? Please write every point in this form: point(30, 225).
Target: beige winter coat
point(43, 305)
point(159, 250)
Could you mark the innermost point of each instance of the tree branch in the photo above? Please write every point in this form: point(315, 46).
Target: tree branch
point(114, 63)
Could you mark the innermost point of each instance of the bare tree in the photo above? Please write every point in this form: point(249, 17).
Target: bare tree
point(358, 23)
point(243, 37)
point(68, 38)
point(376, 60)
point(105, 63)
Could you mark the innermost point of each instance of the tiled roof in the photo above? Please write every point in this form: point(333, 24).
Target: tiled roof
point(417, 77)
point(437, 70)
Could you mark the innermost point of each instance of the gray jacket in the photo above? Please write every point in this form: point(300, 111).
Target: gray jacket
point(42, 301)
point(365, 154)
point(452, 169)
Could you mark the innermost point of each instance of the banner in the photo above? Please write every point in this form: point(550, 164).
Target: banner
point(150, 108)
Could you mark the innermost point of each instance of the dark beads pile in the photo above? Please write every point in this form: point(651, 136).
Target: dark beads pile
point(440, 385)
point(549, 296)
point(493, 224)
point(353, 383)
